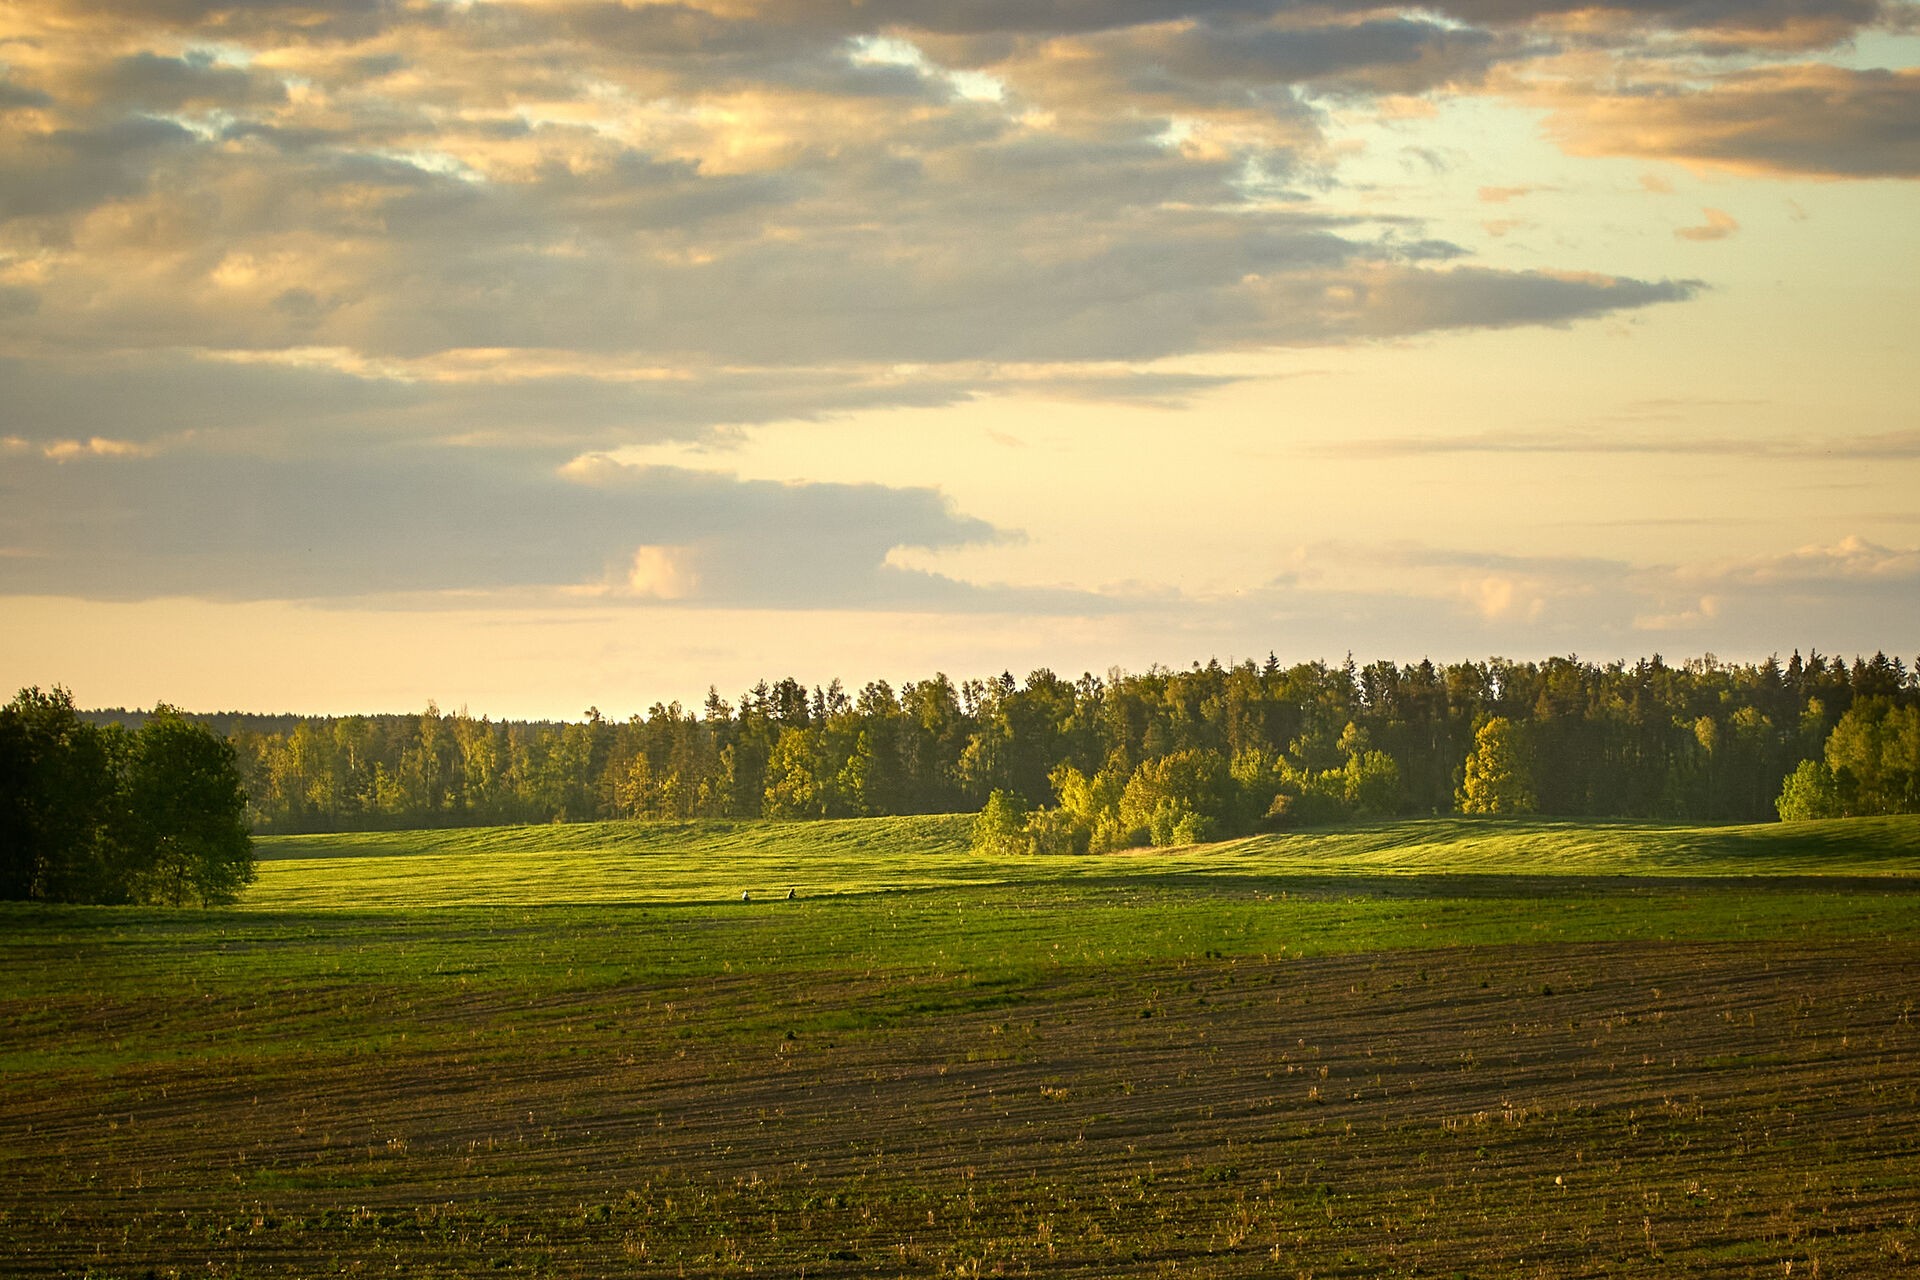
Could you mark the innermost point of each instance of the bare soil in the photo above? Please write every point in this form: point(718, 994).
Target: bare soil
point(1727, 1109)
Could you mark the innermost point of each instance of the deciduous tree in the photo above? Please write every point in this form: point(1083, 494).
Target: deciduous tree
point(1497, 778)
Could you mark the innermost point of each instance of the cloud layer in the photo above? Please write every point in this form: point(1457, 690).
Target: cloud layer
point(83, 519)
point(267, 270)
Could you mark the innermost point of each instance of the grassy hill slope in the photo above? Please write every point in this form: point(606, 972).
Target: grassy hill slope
point(716, 861)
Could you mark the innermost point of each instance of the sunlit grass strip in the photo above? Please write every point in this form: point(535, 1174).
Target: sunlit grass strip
point(715, 862)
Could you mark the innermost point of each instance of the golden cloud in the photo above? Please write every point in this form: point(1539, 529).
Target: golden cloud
point(1806, 120)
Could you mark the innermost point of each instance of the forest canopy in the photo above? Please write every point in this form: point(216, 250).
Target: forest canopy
point(1160, 756)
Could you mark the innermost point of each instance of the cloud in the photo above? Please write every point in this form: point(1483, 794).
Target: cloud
point(62, 171)
point(1718, 226)
point(1007, 244)
point(1393, 301)
point(662, 573)
point(15, 97)
point(1852, 594)
point(1718, 24)
point(1809, 120)
point(314, 19)
point(1700, 613)
point(1889, 445)
point(107, 523)
point(153, 82)
point(1232, 61)
point(247, 244)
point(1851, 560)
point(305, 401)
point(67, 450)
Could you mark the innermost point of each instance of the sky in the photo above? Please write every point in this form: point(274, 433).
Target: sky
point(532, 356)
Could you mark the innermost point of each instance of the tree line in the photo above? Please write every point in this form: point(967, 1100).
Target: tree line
point(1156, 756)
point(103, 813)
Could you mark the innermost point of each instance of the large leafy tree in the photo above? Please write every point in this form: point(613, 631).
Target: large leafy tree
point(181, 827)
point(101, 815)
point(56, 795)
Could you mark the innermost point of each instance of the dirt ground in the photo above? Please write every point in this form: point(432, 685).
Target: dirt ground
point(1574, 1110)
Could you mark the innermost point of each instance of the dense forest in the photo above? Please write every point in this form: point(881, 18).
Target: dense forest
point(1159, 756)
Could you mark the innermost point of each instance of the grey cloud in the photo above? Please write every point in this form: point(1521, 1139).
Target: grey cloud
point(1083, 16)
point(1457, 603)
point(672, 30)
point(246, 528)
point(757, 38)
point(1165, 286)
point(290, 409)
point(291, 142)
point(1817, 120)
point(624, 194)
point(987, 28)
point(1420, 556)
point(1475, 297)
point(165, 394)
point(201, 11)
point(1046, 180)
point(1304, 53)
point(712, 53)
point(934, 231)
point(1850, 596)
point(1166, 390)
point(952, 237)
point(378, 66)
point(1050, 298)
point(982, 246)
point(998, 273)
point(1888, 446)
point(15, 97)
point(66, 169)
point(1203, 61)
point(1397, 301)
point(155, 82)
point(1683, 15)
point(995, 16)
point(317, 20)
point(1853, 560)
point(636, 192)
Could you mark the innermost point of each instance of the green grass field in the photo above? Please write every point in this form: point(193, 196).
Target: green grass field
point(1428, 1048)
point(716, 861)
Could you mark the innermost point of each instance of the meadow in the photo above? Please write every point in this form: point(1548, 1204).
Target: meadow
point(1427, 1048)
